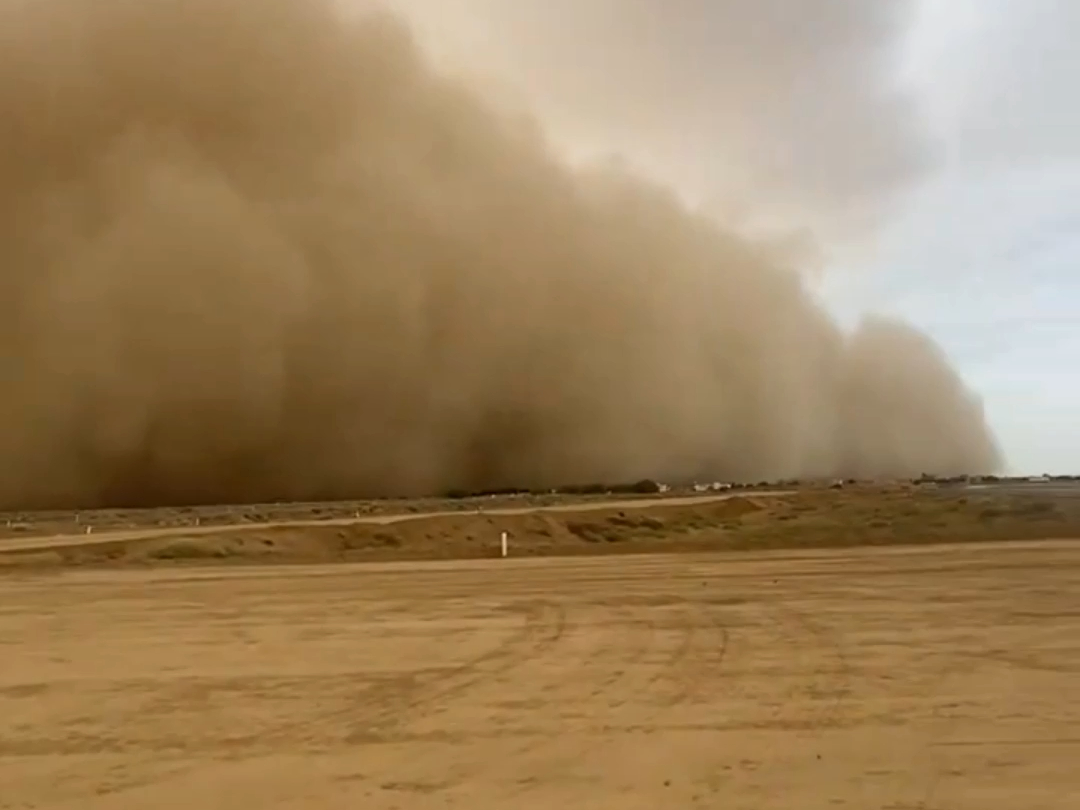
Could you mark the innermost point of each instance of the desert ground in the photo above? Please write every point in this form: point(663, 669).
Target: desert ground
point(940, 677)
point(800, 669)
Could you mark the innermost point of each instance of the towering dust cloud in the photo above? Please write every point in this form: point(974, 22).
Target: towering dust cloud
point(254, 250)
point(787, 105)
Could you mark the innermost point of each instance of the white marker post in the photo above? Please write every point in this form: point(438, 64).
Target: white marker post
point(505, 544)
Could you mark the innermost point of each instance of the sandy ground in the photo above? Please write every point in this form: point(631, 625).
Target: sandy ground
point(938, 678)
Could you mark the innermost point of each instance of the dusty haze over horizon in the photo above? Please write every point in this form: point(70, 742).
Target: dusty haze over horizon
point(255, 250)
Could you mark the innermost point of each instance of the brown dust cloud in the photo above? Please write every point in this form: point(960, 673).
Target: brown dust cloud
point(260, 250)
point(788, 105)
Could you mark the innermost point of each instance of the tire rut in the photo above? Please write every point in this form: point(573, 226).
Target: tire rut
point(695, 656)
point(386, 709)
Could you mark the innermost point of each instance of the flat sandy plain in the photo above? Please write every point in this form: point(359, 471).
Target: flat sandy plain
point(930, 678)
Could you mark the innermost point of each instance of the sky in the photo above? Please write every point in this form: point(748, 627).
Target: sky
point(984, 254)
point(942, 133)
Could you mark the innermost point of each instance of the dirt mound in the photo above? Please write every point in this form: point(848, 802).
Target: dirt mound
point(737, 507)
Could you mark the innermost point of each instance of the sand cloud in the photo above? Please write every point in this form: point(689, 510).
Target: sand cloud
point(256, 250)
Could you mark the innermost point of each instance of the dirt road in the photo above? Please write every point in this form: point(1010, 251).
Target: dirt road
point(930, 678)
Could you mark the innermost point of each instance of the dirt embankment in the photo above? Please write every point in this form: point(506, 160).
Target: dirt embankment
point(801, 520)
point(41, 523)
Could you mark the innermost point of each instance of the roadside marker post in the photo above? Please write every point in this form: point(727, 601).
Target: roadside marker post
point(505, 544)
